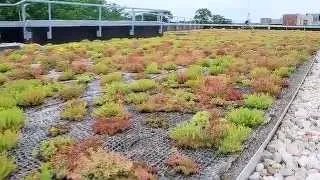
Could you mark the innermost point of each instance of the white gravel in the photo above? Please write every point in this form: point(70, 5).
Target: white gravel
point(294, 152)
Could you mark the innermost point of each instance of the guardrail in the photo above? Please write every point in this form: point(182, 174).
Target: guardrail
point(23, 22)
point(135, 19)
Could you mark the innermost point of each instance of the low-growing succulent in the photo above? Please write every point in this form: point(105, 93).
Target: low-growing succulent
point(246, 117)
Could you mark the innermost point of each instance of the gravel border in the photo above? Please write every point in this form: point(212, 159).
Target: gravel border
point(260, 134)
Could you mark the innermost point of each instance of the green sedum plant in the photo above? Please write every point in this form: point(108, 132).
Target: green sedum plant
point(259, 101)
point(70, 92)
point(169, 66)
point(114, 91)
point(109, 110)
point(75, 110)
point(32, 97)
point(50, 147)
point(7, 166)
point(172, 81)
point(44, 173)
point(152, 69)
point(7, 101)
point(194, 72)
point(112, 77)
point(284, 71)
point(219, 65)
point(137, 98)
point(4, 68)
point(8, 140)
point(246, 117)
point(84, 79)
point(233, 139)
point(66, 76)
point(142, 85)
point(11, 119)
point(193, 133)
point(259, 72)
point(3, 79)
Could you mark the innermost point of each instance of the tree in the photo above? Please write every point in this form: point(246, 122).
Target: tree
point(39, 11)
point(218, 19)
point(203, 16)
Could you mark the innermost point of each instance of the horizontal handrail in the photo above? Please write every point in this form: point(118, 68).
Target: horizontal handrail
point(78, 3)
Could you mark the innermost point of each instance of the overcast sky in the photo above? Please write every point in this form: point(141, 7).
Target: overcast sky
point(233, 9)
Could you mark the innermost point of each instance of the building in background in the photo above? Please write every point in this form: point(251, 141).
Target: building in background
point(297, 20)
point(265, 21)
point(316, 19)
point(270, 21)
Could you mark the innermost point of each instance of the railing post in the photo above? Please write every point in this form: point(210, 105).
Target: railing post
point(99, 32)
point(161, 24)
point(49, 33)
point(133, 20)
point(26, 34)
point(142, 17)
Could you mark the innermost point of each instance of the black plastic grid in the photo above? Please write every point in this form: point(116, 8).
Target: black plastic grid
point(139, 143)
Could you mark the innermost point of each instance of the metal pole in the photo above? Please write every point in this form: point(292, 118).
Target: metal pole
point(133, 19)
point(19, 13)
point(142, 17)
point(99, 32)
point(49, 33)
point(161, 24)
point(26, 35)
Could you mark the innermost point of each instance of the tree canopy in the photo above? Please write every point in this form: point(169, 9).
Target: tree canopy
point(205, 16)
point(39, 11)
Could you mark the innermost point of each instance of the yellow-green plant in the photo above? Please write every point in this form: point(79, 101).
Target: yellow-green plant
point(259, 101)
point(8, 140)
point(246, 117)
point(142, 85)
point(70, 92)
point(11, 119)
point(74, 110)
point(193, 133)
point(233, 139)
point(152, 69)
point(7, 166)
point(112, 77)
point(109, 110)
point(50, 147)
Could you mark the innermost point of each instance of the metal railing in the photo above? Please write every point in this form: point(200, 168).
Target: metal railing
point(133, 12)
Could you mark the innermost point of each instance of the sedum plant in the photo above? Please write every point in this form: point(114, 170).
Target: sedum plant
point(112, 77)
point(70, 92)
point(152, 69)
point(259, 101)
point(246, 117)
point(7, 102)
point(233, 139)
point(137, 98)
point(75, 110)
point(109, 110)
point(11, 119)
point(50, 147)
point(284, 71)
point(8, 140)
point(193, 133)
point(142, 85)
point(7, 166)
